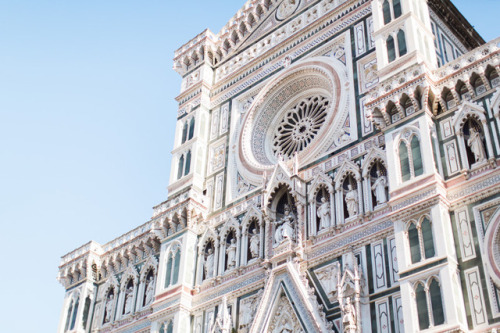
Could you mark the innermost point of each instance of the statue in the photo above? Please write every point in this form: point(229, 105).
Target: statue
point(476, 145)
point(231, 254)
point(108, 308)
point(285, 228)
point(150, 291)
point(254, 244)
point(324, 214)
point(349, 316)
point(129, 294)
point(378, 188)
point(209, 264)
point(351, 199)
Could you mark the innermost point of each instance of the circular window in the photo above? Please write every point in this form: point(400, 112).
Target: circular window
point(299, 126)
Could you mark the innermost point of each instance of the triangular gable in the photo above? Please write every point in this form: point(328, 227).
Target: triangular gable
point(320, 179)
point(286, 281)
point(346, 167)
point(466, 109)
point(280, 176)
point(374, 154)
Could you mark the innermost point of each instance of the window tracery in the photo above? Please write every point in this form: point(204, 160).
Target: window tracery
point(429, 303)
point(300, 125)
point(420, 240)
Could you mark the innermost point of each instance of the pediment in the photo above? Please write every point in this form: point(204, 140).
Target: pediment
point(347, 166)
point(281, 175)
point(285, 302)
point(466, 109)
point(320, 179)
point(373, 154)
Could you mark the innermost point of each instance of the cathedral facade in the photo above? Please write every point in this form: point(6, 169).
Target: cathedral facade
point(335, 169)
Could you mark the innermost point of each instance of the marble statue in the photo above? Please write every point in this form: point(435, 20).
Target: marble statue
point(349, 315)
point(209, 264)
point(108, 308)
point(378, 188)
point(328, 278)
point(254, 244)
point(231, 254)
point(324, 214)
point(476, 145)
point(351, 199)
point(285, 227)
point(150, 291)
point(129, 294)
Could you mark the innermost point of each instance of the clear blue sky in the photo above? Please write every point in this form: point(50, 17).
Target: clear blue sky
point(87, 114)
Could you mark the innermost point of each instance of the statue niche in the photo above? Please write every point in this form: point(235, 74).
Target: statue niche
point(253, 250)
point(323, 212)
point(474, 141)
point(129, 298)
point(350, 194)
point(285, 222)
point(378, 184)
point(231, 248)
point(209, 261)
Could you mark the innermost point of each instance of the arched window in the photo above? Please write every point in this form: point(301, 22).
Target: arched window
point(187, 168)
point(396, 8)
point(184, 132)
point(401, 43)
point(404, 162)
point(436, 303)
point(428, 241)
point(191, 129)
point(423, 310)
point(180, 167)
point(173, 265)
point(462, 90)
point(75, 312)
point(477, 83)
point(68, 316)
point(414, 243)
point(492, 76)
point(386, 9)
point(429, 304)
point(410, 157)
point(418, 167)
point(391, 50)
point(86, 309)
point(421, 241)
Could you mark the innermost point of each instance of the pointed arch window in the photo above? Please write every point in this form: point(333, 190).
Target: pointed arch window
point(68, 316)
point(180, 167)
point(396, 8)
point(187, 168)
point(184, 132)
point(191, 129)
point(410, 158)
point(421, 240)
point(429, 304)
point(386, 9)
point(401, 43)
point(423, 310)
point(391, 50)
point(173, 265)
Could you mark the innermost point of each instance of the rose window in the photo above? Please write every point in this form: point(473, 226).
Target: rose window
point(299, 126)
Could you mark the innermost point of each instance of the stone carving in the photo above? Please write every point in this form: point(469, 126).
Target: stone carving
point(129, 295)
point(222, 323)
point(476, 145)
point(150, 291)
point(378, 188)
point(209, 264)
point(108, 308)
point(324, 214)
point(284, 320)
point(231, 254)
point(248, 306)
point(284, 227)
point(349, 316)
point(349, 288)
point(351, 199)
point(254, 244)
point(327, 277)
point(286, 8)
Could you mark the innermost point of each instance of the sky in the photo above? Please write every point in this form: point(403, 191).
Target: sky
point(87, 116)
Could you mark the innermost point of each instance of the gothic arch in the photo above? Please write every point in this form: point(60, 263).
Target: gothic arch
point(345, 169)
point(130, 274)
